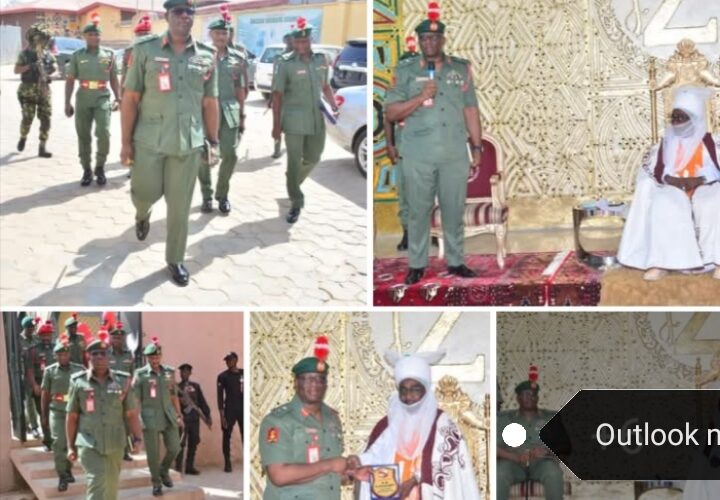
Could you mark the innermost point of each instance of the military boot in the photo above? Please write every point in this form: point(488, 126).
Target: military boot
point(403, 245)
point(21, 144)
point(87, 176)
point(100, 175)
point(42, 152)
point(190, 464)
point(179, 460)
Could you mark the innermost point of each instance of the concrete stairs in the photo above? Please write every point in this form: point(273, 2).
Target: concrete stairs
point(37, 468)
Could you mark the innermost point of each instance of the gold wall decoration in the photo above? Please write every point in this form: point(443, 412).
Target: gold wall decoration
point(564, 86)
point(359, 382)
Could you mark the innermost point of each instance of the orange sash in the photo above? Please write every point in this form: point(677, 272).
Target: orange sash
point(693, 165)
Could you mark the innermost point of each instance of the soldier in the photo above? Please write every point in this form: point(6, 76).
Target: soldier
point(230, 403)
point(142, 29)
point(288, 41)
point(393, 138)
point(77, 342)
point(231, 88)
point(120, 359)
point(435, 96)
point(169, 108)
point(301, 441)
point(100, 406)
point(300, 78)
point(94, 67)
point(156, 391)
point(37, 358)
point(194, 408)
point(532, 461)
point(35, 64)
point(27, 339)
point(54, 398)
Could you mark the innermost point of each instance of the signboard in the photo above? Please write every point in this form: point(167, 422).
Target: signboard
point(256, 31)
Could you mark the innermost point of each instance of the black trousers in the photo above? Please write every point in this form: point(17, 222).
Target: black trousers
point(47, 439)
point(232, 418)
point(191, 438)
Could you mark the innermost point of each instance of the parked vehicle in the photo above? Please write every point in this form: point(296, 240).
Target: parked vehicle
point(350, 128)
point(350, 67)
point(65, 47)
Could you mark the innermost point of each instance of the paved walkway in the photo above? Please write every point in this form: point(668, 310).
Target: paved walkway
point(64, 245)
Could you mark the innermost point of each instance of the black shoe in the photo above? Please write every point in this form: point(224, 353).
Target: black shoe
point(157, 491)
point(100, 176)
point(44, 153)
point(293, 215)
point(69, 477)
point(192, 471)
point(166, 481)
point(86, 178)
point(225, 206)
point(21, 143)
point(127, 457)
point(462, 270)
point(414, 275)
point(180, 275)
point(228, 466)
point(62, 484)
point(142, 228)
point(206, 206)
point(403, 245)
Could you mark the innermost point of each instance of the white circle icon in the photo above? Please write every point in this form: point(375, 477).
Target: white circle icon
point(514, 435)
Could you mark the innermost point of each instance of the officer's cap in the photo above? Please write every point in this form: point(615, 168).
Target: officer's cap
point(185, 366)
point(231, 354)
point(94, 25)
point(118, 330)
point(26, 321)
point(526, 385)
point(432, 24)
point(225, 21)
point(99, 344)
point(302, 28)
point(171, 4)
point(46, 327)
point(72, 320)
point(153, 347)
point(317, 363)
point(62, 344)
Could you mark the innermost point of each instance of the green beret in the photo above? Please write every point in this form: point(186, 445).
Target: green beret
point(303, 33)
point(71, 321)
point(526, 385)
point(117, 331)
point(219, 24)
point(91, 28)
point(26, 321)
point(97, 345)
point(428, 26)
point(61, 347)
point(171, 4)
point(151, 349)
point(310, 365)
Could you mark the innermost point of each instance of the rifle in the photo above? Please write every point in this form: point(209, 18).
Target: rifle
point(190, 405)
point(43, 79)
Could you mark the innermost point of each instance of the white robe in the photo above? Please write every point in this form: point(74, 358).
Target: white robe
point(667, 229)
point(453, 476)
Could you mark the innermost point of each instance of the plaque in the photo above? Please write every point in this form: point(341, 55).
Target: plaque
point(385, 482)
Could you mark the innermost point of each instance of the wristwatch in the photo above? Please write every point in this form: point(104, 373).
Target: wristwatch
point(136, 440)
point(478, 147)
point(212, 142)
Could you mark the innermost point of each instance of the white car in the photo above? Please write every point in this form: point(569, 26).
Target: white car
point(350, 128)
point(264, 65)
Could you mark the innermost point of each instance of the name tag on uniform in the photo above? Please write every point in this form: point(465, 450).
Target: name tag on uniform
point(90, 402)
point(313, 454)
point(153, 389)
point(164, 82)
point(301, 72)
point(422, 78)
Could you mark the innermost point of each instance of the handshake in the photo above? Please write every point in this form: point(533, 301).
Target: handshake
point(349, 468)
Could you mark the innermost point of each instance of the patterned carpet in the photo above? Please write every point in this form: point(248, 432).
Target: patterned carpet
point(536, 279)
point(626, 287)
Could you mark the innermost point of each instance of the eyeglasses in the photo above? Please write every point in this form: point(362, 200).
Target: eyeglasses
point(416, 390)
point(179, 11)
point(313, 379)
point(99, 354)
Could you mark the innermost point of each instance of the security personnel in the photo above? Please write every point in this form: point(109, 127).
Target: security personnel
point(27, 339)
point(55, 387)
point(435, 97)
point(531, 461)
point(77, 342)
point(142, 29)
point(300, 78)
point(305, 434)
point(194, 408)
point(288, 41)
point(100, 407)
point(231, 88)
point(35, 64)
point(393, 136)
point(230, 403)
point(94, 67)
point(169, 105)
point(156, 391)
point(120, 359)
point(37, 359)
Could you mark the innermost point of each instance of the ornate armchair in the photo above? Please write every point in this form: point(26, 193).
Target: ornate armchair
point(486, 209)
point(474, 422)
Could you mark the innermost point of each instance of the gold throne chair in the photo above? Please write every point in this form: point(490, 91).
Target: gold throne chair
point(686, 67)
point(474, 423)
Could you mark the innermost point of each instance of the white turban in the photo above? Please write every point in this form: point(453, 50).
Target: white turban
point(693, 101)
point(415, 366)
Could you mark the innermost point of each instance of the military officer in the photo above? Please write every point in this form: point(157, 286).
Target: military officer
point(194, 408)
point(35, 64)
point(94, 67)
point(100, 407)
point(27, 339)
point(142, 29)
point(156, 391)
point(55, 386)
point(77, 342)
point(435, 97)
point(230, 387)
point(37, 359)
point(532, 460)
point(169, 109)
point(301, 77)
point(393, 136)
point(120, 359)
point(288, 41)
point(301, 442)
point(231, 89)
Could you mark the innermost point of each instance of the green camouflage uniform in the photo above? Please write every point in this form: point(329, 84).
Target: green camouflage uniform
point(34, 96)
point(230, 78)
point(301, 84)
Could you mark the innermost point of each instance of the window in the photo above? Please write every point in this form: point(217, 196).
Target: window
point(126, 17)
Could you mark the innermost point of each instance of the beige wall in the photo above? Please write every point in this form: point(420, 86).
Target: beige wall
point(113, 32)
point(201, 339)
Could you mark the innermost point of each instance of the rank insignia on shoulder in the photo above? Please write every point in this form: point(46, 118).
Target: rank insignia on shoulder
point(273, 435)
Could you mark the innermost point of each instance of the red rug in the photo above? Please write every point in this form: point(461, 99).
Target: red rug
point(529, 279)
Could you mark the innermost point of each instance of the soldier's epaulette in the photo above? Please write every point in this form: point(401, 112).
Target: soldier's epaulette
point(121, 373)
point(146, 39)
point(169, 368)
point(287, 56)
point(406, 62)
point(77, 365)
point(77, 375)
point(206, 46)
point(459, 60)
point(237, 53)
point(107, 49)
point(280, 411)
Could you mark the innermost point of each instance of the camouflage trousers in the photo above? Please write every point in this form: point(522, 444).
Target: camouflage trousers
point(33, 102)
